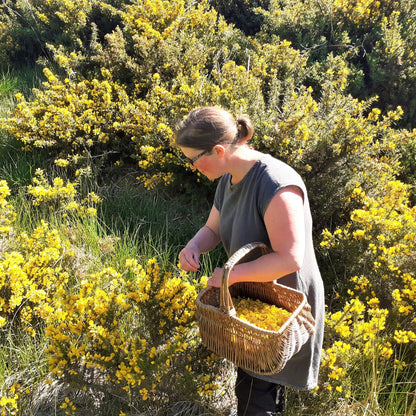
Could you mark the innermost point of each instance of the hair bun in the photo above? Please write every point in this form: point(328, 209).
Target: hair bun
point(245, 129)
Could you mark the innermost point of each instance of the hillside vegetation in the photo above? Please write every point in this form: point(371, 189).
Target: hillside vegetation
point(95, 316)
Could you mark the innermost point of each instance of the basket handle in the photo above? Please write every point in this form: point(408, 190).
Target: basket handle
point(226, 304)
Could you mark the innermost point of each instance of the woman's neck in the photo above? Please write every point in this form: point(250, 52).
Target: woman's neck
point(241, 161)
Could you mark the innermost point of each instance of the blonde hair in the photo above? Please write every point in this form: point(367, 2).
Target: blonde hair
point(205, 127)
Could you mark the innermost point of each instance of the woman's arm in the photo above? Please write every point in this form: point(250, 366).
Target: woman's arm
point(284, 220)
point(205, 240)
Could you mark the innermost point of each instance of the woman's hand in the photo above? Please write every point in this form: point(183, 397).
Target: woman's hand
point(189, 258)
point(215, 279)
point(203, 241)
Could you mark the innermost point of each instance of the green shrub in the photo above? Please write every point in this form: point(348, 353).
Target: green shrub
point(242, 13)
point(377, 39)
point(29, 28)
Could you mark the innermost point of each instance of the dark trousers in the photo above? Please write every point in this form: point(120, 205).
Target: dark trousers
point(257, 397)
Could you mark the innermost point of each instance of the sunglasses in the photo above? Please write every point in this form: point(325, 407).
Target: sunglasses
point(192, 160)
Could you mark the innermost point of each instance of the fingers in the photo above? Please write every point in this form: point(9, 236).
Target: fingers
point(213, 282)
point(215, 279)
point(189, 260)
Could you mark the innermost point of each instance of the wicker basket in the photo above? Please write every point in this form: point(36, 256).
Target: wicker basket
point(246, 345)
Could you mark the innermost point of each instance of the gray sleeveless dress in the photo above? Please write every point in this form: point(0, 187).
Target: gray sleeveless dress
point(242, 207)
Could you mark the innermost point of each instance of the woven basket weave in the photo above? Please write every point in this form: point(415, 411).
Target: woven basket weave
point(246, 345)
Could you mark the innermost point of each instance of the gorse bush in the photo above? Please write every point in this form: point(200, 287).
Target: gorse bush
point(35, 265)
point(127, 334)
point(126, 94)
point(375, 38)
point(242, 13)
point(29, 28)
point(30, 278)
point(376, 327)
point(74, 119)
point(60, 198)
point(130, 333)
point(7, 212)
point(122, 98)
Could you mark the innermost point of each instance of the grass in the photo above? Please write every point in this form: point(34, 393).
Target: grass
point(16, 80)
point(153, 223)
point(16, 166)
point(23, 363)
point(8, 84)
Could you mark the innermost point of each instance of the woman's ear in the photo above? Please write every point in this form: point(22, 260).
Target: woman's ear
point(219, 150)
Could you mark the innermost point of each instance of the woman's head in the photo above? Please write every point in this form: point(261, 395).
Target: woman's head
point(206, 127)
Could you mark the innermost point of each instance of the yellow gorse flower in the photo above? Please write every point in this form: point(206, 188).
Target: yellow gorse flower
point(260, 314)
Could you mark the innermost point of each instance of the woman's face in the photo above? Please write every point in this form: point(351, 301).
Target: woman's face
point(207, 162)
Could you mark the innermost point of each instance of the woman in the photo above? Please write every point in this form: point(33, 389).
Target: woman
point(258, 199)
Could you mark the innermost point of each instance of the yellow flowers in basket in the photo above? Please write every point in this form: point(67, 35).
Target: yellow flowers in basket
point(260, 314)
